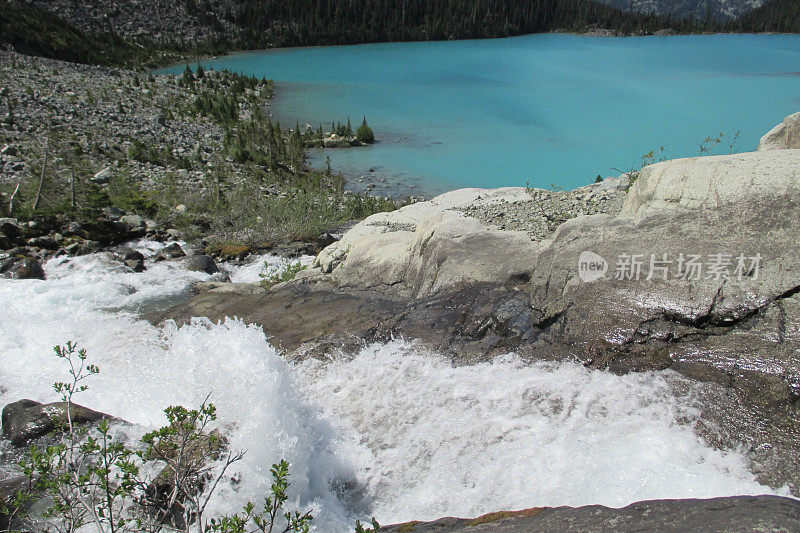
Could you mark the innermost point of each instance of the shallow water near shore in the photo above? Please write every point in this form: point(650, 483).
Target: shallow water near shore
point(545, 109)
point(394, 432)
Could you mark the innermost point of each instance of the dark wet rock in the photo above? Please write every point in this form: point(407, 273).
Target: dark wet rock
point(16, 267)
point(200, 263)
point(472, 324)
point(134, 260)
point(108, 232)
point(171, 251)
point(8, 487)
point(25, 420)
point(46, 242)
point(325, 240)
point(10, 231)
point(732, 514)
point(135, 264)
point(9, 150)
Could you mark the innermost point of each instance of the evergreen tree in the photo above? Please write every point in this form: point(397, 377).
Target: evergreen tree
point(188, 77)
point(364, 133)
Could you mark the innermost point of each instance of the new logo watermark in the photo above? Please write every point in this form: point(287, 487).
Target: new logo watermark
point(591, 266)
point(689, 267)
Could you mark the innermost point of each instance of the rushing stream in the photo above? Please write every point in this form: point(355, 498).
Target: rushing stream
point(393, 432)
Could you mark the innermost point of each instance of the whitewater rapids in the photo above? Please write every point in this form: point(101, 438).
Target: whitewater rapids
point(392, 432)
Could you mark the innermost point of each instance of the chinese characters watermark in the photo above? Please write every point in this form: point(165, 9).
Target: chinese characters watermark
point(653, 267)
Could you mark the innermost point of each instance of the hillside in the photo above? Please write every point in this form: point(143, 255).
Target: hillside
point(145, 32)
point(318, 22)
point(148, 32)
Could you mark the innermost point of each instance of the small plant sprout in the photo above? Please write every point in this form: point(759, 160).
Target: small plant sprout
point(361, 529)
point(78, 372)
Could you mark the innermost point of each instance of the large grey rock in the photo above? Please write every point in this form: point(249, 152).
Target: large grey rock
point(739, 331)
point(103, 176)
point(783, 136)
point(132, 221)
point(200, 263)
point(25, 420)
point(732, 514)
point(429, 247)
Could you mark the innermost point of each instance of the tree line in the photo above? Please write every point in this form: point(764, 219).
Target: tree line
point(319, 22)
point(277, 23)
point(780, 16)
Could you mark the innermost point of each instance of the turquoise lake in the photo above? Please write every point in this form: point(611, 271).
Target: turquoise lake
point(540, 109)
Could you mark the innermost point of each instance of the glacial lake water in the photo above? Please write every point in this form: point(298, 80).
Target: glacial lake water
point(539, 109)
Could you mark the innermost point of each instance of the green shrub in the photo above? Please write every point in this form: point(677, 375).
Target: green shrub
point(287, 273)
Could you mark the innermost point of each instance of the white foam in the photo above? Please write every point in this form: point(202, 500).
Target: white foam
point(470, 440)
point(145, 369)
point(417, 438)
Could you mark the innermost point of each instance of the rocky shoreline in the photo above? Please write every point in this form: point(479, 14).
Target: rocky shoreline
point(120, 155)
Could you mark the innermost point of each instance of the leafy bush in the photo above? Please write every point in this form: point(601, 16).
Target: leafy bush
point(287, 273)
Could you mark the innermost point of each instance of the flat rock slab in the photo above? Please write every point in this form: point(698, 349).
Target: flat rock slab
point(732, 514)
point(472, 324)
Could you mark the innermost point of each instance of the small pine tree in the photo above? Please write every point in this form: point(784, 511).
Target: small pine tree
point(188, 77)
point(364, 133)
